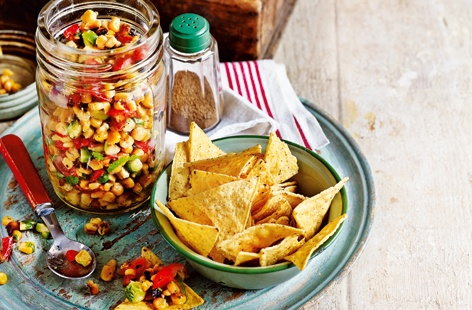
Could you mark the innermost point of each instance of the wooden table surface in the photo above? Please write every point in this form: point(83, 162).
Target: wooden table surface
point(397, 75)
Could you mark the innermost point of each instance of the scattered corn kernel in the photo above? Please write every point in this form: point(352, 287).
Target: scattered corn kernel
point(83, 258)
point(130, 272)
point(7, 84)
point(16, 235)
point(108, 271)
point(6, 220)
point(145, 285)
point(103, 228)
point(26, 247)
point(90, 229)
point(93, 287)
point(3, 278)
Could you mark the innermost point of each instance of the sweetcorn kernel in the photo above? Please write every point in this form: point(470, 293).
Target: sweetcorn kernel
point(83, 258)
point(3, 278)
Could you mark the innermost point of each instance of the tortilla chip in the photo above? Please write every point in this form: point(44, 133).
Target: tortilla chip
point(282, 164)
point(201, 181)
point(179, 184)
point(272, 205)
point(250, 222)
point(309, 214)
point(293, 199)
point(193, 300)
point(216, 255)
point(256, 149)
point(244, 257)
point(275, 253)
point(287, 184)
point(302, 255)
point(150, 256)
point(283, 220)
point(230, 164)
point(200, 146)
point(261, 170)
point(255, 238)
point(226, 206)
point(290, 189)
point(284, 209)
point(260, 198)
point(127, 305)
point(201, 238)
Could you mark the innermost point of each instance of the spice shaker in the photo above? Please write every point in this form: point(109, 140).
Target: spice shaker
point(194, 84)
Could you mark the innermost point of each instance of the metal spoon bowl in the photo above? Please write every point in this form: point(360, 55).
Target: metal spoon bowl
point(19, 161)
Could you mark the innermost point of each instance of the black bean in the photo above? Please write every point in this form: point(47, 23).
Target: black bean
point(156, 292)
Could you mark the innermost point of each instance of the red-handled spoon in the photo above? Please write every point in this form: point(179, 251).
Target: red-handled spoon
point(19, 161)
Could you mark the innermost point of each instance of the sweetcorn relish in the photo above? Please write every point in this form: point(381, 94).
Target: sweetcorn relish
point(102, 111)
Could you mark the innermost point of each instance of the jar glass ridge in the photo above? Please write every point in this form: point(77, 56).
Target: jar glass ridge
point(102, 111)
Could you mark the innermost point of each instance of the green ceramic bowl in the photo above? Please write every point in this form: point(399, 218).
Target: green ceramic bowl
point(315, 175)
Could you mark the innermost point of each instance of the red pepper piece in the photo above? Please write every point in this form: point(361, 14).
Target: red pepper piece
point(59, 134)
point(96, 174)
point(12, 226)
point(112, 157)
point(143, 145)
point(7, 247)
point(123, 268)
point(60, 146)
point(123, 35)
point(71, 254)
point(114, 112)
point(117, 125)
point(81, 142)
point(166, 275)
point(57, 161)
point(98, 95)
point(123, 38)
point(122, 63)
point(91, 61)
point(127, 280)
point(139, 264)
point(75, 98)
point(70, 32)
point(139, 54)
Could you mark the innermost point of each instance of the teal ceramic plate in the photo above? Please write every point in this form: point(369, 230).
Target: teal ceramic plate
point(33, 286)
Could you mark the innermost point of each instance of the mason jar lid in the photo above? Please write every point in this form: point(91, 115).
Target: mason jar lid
point(189, 33)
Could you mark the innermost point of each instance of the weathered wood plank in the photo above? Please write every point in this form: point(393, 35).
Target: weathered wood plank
point(308, 48)
point(405, 75)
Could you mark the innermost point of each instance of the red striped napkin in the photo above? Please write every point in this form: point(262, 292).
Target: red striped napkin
point(265, 84)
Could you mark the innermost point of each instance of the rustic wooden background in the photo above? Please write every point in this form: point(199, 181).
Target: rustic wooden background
point(397, 74)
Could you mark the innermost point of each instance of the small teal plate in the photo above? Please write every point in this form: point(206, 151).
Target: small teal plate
point(33, 286)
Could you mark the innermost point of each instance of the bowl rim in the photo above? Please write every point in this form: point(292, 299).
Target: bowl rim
point(199, 259)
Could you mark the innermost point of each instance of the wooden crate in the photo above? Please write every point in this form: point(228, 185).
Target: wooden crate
point(244, 29)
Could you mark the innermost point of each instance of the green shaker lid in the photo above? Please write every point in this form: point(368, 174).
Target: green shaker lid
point(189, 33)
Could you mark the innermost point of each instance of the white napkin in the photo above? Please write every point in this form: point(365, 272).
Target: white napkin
point(266, 85)
point(289, 110)
point(239, 117)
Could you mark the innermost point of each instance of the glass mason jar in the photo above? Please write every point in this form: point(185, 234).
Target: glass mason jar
point(102, 111)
